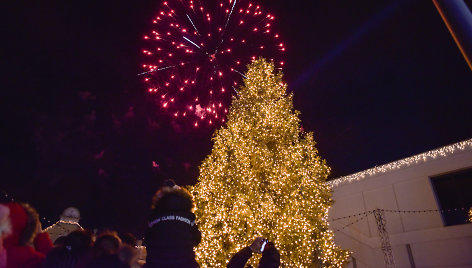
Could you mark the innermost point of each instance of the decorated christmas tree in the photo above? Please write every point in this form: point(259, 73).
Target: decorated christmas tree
point(264, 177)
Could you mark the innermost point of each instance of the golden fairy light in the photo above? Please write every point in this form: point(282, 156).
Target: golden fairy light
point(406, 162)
point(264, 177)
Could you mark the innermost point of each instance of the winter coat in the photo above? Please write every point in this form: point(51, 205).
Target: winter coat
point(24, 256)
point(172, 233)
point(240, 259)
point(270, 258)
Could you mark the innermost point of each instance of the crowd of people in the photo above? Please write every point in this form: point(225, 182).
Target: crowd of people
point(170, 238)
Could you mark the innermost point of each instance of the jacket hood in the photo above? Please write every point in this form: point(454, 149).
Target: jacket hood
point(175, 199)
point(18, 220)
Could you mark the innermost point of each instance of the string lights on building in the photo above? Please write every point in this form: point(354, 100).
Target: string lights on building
point(405, 163)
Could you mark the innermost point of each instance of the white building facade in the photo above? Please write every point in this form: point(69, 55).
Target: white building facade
point(424, 225)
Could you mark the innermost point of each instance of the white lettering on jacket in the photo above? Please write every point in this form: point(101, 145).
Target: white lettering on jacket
point(172, 218)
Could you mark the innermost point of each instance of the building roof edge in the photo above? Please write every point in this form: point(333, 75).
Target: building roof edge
point(404, 163)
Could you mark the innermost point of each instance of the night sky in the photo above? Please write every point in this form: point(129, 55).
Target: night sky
point(376, 81)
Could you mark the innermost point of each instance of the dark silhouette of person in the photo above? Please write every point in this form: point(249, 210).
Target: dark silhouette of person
point(172, 232)
point(270, 255)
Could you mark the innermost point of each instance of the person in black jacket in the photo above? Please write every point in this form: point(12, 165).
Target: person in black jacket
point(270, 255)
point(106, 250)
point(171, 232)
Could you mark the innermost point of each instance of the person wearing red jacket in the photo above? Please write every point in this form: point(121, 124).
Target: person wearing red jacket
point(27, 245)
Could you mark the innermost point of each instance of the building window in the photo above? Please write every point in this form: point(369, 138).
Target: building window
point(454, 195)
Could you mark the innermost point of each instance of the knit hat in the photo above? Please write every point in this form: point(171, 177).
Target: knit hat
point(170, 183)
point(172, 197)
point(168, 186)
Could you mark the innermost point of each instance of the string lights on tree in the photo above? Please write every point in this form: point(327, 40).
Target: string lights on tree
point(264, 177)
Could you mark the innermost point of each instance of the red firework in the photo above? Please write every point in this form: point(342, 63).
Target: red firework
point(197, 54)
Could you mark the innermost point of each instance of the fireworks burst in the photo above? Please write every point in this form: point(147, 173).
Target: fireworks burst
point(196, 54)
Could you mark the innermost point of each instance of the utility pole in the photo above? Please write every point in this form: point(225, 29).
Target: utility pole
point(458, 19)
